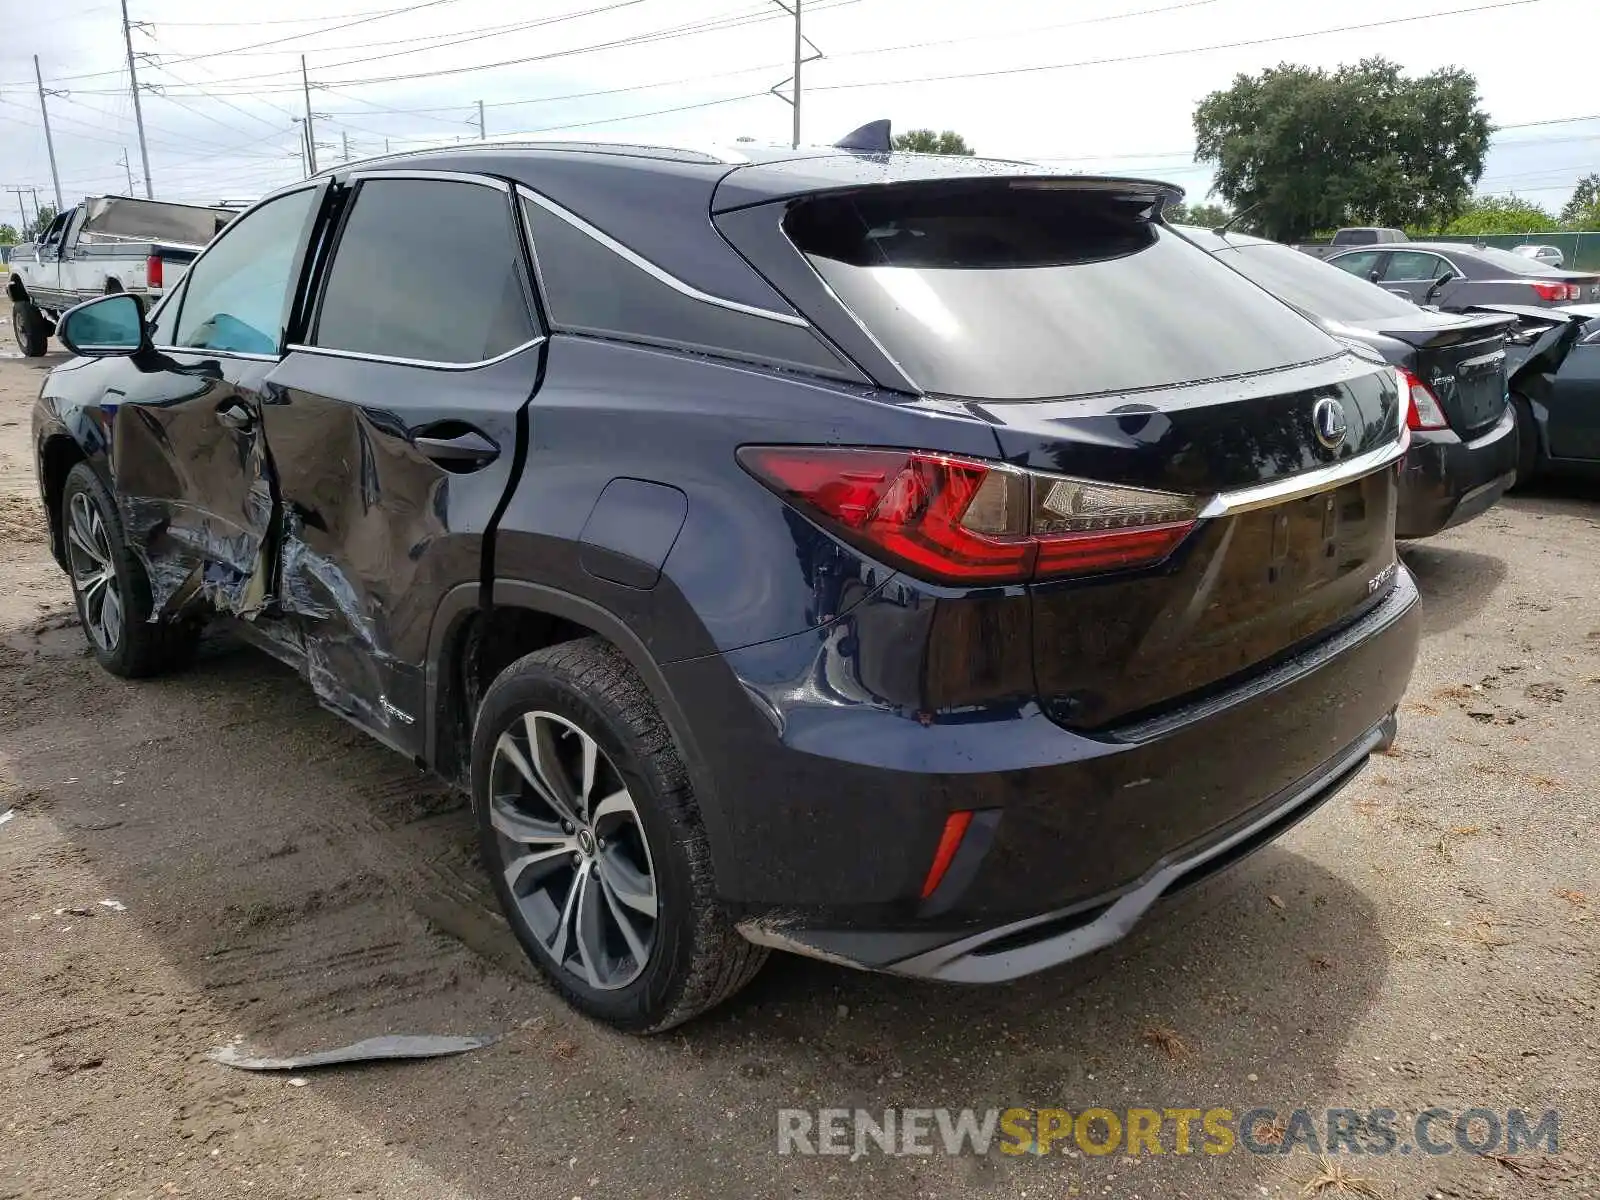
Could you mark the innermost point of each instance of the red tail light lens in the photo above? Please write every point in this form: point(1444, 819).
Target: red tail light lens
point(152, 272)
point(961, 520)
point(1555, 291)
point(1422, 406)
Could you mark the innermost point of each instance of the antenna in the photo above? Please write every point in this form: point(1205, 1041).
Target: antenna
point(871, 138)
point(1222, 230)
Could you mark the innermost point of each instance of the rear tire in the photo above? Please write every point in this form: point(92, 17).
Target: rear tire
point(1528, 454)
point(617, 906)
point(30, 327)
point(110, 588)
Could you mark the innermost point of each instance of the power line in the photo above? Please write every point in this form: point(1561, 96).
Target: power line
point(1158, 54)
point(718, 23)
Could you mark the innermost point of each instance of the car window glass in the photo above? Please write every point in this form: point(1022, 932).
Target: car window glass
point(53, 234)
point(1413, 266)
point(1512, 264)
point(467, 304)
point(1067, 291)
point(1357, 264)
point(591, 289)
point(1313, 285)
point(236, 296)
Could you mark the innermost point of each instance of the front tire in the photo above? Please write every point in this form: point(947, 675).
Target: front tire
point(30, 327)
point(110, 588)
point(594, 842)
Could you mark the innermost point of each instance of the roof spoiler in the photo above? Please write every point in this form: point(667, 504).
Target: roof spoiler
point(871, 138)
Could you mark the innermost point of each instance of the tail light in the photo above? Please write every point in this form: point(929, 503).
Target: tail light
point(962, 520)
point(152, 272)
point(1422, 406)
point(1556, 291)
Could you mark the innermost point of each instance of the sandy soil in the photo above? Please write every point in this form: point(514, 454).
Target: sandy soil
point(1427, 939)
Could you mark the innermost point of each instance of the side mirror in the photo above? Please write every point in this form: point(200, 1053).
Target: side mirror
point(1374, 275)
point(105, 327)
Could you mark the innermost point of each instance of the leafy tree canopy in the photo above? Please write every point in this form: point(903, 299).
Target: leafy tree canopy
point(41, 221)
point(1583, 210)
point(926, 141)
point(1208, 216)
point(1501, 214)
point(8, 235)
point(1314, 149)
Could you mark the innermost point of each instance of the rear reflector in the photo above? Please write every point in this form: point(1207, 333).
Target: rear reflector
point(152, 272)
point(1422, 406)
point(955, 828)
point(961, 520)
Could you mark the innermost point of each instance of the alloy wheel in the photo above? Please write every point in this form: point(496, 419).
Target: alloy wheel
point(94, 577)
point(574, 854)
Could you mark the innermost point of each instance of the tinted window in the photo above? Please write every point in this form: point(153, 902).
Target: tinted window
point(1355, 237)
point(1313, 285)
point(1362, 264)
point(236, 297)
point(1514, 264)
point(1017, 290)
point(590, 288)
point(1413, 266)
point(426, 269)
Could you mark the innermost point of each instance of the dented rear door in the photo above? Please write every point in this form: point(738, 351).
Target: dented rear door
point(394, 434)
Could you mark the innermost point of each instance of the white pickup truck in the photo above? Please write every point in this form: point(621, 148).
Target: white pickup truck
point(105, 244)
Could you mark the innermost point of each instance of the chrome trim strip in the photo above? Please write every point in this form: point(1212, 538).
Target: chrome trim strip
point(650, 268)
point(429, 363)
point(202, 352)
point(1307, 483)
point(1483, 360)
point(489, 181)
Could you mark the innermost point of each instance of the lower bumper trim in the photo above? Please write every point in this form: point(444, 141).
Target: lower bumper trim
point(1037, 943)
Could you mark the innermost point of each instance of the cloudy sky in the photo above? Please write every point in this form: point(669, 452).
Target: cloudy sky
point(1101, 85)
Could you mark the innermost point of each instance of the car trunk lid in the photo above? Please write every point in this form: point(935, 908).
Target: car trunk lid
point(1104, 347)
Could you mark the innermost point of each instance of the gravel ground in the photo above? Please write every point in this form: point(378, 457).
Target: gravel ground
point(1426, 940)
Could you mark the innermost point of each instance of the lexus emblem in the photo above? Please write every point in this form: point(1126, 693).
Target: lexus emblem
point(1328, 420)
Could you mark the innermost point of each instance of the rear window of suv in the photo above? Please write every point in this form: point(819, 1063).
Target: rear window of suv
point(1014, 290)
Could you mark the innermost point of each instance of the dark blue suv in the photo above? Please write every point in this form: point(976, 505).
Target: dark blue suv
point(920, 563)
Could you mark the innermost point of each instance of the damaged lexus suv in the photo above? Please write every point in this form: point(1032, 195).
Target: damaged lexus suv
point(925, 564)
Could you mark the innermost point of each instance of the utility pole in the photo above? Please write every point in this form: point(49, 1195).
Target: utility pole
point(483, 130)
point(23, 209)
point(346, 135)
point(138, 113)
point(49, 142)
point(311, 137)
point(123, 163)
point(798, 59)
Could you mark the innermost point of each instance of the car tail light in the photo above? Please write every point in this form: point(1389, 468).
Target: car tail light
point(961, 520)
point(1554, 291)
point(1574, 292)
point(1422, 406)
point(152, 272)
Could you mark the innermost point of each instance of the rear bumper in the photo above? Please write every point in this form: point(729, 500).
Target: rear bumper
point(1446, 481)
point(1019, 948)
point(825, 800)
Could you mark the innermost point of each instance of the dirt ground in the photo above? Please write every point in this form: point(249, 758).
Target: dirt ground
point(1427, 939)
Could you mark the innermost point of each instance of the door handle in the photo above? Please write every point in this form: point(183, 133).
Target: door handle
point(236, 416)
point(465, 451)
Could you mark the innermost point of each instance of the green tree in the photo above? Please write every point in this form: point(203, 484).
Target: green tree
point(1583, 210)
point(1207, 216)
point(41, 222)
point(1315, 149)
point(926, 141)
point(8, 235)
point(1501, 214)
